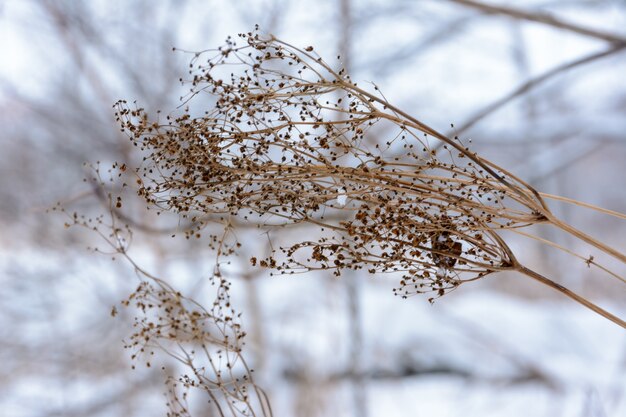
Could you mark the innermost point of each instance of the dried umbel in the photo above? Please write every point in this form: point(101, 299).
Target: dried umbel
point(208, 342)
point(288, 140)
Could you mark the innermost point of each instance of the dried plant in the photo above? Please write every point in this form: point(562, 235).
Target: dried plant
point(287, 142)
point(207, 342)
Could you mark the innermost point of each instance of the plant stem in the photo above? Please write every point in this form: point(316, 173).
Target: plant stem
point(586, 238)
point(535, 275)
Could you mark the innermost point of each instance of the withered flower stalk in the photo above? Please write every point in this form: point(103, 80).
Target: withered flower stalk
point(290, 140)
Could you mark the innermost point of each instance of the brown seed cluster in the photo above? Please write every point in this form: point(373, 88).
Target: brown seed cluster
point(289, 140)
point(207, 342)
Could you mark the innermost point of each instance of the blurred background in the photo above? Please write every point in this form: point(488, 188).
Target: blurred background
point(539, 87)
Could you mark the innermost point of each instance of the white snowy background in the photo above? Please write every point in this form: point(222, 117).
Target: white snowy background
point(320, 346)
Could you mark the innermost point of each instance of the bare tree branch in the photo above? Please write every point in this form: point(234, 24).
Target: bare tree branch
point(545, 19)
point(534, 82)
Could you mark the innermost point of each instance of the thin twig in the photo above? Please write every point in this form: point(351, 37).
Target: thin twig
point(533, 83)
point(544, 19)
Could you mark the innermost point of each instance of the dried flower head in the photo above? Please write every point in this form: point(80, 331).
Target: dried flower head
point(289, 140)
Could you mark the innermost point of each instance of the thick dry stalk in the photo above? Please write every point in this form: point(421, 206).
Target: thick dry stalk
point(537, 276)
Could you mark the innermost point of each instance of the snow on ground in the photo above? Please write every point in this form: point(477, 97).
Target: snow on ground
point(475, 352)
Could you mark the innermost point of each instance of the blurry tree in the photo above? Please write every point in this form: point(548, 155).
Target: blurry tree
point(554, 112)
